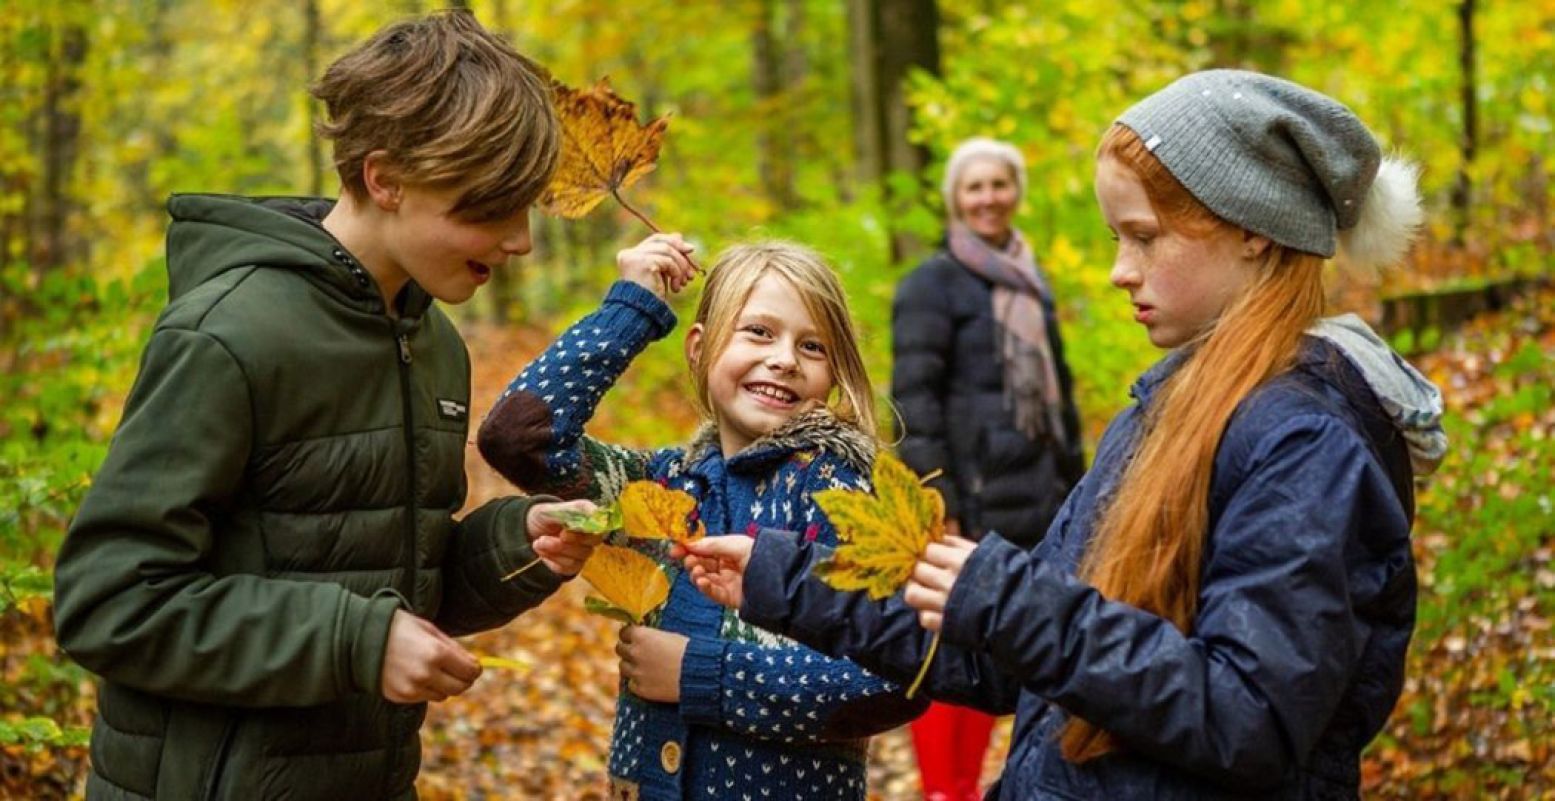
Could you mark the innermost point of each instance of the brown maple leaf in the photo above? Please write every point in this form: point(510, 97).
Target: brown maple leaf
point(604, 149)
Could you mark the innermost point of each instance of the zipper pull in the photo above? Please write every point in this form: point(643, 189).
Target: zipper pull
point(404, 349)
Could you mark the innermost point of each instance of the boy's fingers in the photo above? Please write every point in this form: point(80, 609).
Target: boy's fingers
point(457, 662)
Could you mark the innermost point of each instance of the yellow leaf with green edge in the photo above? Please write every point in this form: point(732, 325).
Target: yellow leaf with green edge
point(652, 511)
point(629, 580)
point(882, 535)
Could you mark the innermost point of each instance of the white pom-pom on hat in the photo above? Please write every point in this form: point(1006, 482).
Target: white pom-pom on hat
point(1390, 217)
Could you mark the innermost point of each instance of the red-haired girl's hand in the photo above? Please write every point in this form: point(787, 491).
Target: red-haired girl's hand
point(660, 264)
point(717, 566)
point(933, 576)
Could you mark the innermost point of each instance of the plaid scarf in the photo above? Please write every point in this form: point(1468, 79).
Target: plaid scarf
point(1031, 386)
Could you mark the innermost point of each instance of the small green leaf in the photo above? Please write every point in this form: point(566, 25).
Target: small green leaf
point(599, 606)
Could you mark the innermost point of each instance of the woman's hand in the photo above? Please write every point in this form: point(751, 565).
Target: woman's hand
point(563, 551)
point(650, 662)
point(660, 264)
point(933, 576)
point(717, 566)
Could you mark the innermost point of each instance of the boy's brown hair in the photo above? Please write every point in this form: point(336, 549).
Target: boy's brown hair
point(453, 106)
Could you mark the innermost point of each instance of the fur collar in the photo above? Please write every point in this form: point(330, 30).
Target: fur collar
point(817, 429)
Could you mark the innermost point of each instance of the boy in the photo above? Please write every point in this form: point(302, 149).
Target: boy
point(266, 564)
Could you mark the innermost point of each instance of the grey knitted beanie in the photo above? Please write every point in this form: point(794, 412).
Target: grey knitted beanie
point(1283, 161)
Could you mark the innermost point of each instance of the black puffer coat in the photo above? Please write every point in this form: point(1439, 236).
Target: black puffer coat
point(948, 383)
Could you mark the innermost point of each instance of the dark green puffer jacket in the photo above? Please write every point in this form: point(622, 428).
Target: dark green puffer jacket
point(284, 477)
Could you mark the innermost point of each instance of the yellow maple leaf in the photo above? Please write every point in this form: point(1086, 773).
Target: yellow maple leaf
point(630, 581)
point(881, 535)
point(651, 511)
point(604, 149)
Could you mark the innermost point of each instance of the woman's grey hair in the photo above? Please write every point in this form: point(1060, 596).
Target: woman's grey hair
point(975, 149)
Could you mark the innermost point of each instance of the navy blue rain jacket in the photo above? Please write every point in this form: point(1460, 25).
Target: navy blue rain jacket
point(1296, 655)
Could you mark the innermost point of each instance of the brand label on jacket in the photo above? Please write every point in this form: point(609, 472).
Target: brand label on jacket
point(453, 410)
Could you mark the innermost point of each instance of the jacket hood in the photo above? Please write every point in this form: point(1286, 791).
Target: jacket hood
point(211, 234)
point(1411, 401)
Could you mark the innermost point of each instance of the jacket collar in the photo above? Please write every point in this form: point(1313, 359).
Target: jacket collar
point(817, 429)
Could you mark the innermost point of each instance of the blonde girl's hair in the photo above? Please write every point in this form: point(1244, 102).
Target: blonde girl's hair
point(1149, 543)
point(730, 283)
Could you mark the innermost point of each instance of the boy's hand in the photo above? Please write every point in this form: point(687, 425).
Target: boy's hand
point(563, 551)
point(934, 576)
point(661, 264)
point(421, 663)
point(717, 566)
point(650, 662)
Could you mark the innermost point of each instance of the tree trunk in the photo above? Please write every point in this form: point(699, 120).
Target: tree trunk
point(774, 137)
point(864, 68)
point(1462, 192)
point(51, 245)
point(890, 38)
point(312, 37)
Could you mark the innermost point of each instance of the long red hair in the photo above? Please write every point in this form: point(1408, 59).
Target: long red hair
point(1149, 544)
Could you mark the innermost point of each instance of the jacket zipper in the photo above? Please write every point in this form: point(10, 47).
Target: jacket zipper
point(400, 329)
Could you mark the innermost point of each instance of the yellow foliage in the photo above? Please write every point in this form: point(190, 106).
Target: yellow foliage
point(604, 148)
point(632, 582)
point(882, 535)
point(651, 511)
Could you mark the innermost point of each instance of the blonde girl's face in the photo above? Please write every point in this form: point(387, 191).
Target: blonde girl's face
point(774, 365)
point(1178, 284)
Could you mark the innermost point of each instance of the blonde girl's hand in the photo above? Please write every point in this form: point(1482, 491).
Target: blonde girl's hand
point(661, 264)
point(933, 576)
point(650, 662)
point(717, 566)
point(559, 549)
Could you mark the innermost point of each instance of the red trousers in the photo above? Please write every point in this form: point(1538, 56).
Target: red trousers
point(951, 741)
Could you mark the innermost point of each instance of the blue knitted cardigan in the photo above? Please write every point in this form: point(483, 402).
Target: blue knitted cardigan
point(760, 717)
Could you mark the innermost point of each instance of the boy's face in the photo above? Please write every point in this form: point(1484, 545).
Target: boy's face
point(450, 258)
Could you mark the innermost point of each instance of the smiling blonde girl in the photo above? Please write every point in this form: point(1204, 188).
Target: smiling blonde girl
point(711, 707)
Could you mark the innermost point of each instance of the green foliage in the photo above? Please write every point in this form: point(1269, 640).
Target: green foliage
point(71, 362)
point(34, 733)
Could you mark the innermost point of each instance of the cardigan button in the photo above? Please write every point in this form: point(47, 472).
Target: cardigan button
point(669, 756)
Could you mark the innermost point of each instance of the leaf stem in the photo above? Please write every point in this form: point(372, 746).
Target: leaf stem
point(635, 213)
point(924, 671)
point(515, 574)
point(654, 228)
